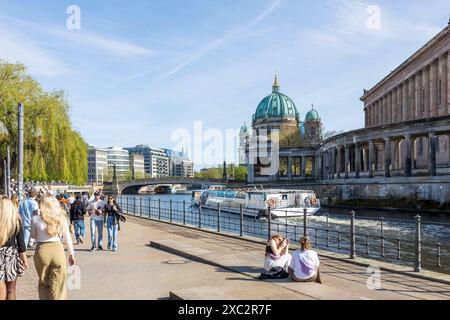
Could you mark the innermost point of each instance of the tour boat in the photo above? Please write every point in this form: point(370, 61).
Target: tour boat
point(165, 189)
point(255, 203)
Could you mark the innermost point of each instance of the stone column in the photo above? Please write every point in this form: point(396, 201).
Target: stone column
point(412, 98)
point(405, 100)
point(394, 105)
point(290, 168)
point(442, 103)
point(408, 156)
point(387, 157)
point(418, 95)
point(339, 162)
point(357, 159)
point(333, 162)
point(432, 154)
point(347, 160)
point(426, 86)
point(448, 82)
point(371, 158)
point(385, 109)
point(434, 68)
point(303, 167)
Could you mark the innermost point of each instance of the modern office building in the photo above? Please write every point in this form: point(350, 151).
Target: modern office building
point(180, 165)
point(156, 161)
point(119, 157)
point(137, 166)
point(97, 165)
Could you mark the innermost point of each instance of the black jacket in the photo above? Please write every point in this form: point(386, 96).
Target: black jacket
point(77, 211)
point(114, 211)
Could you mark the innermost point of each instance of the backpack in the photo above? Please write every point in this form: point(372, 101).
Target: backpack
point(275, 273)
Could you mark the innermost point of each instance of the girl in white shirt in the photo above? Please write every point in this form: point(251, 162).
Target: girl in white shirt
point(305, 263)
point(49, 229)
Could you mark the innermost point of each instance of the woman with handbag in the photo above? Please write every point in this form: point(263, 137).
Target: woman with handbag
point(113, 216)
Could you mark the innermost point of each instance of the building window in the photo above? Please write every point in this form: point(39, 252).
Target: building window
point(296, 166)
point(284, 165)
point(438, 145)
point(420, 147)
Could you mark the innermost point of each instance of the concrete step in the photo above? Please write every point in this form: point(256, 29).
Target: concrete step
point(201, 293)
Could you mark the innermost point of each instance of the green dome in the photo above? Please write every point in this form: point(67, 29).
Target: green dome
point(276, 105)
point(244, 128)
point(312, 115)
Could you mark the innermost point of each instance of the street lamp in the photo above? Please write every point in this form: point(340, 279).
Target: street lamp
point(20, 150)
point(4, 135)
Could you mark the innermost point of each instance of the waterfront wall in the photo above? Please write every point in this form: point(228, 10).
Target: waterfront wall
point(429, 192)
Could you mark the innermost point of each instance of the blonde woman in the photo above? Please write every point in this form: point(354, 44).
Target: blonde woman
point(15, 200)
point(305, 263)
point(13, 258)
point(50, 260)
point(277, 253)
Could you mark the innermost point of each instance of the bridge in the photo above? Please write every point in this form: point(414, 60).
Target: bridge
point(134, 186)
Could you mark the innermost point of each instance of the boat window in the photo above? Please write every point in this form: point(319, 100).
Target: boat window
point(284, 197)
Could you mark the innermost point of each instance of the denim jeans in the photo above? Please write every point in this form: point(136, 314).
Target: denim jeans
point(79, 228)
point(113, 230)
point(26, 235)
point(97, 224)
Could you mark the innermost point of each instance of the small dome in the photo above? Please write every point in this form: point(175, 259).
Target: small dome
point(276, 105)
point(312, 115)
point(244, 128)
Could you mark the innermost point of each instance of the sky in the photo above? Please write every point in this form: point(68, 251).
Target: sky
point(137, 71)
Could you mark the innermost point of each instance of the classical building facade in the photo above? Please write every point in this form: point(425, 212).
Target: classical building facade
point(406, 133)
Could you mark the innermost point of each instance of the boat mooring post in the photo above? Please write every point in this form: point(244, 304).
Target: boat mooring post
point(352, 236)
point(218, 217)
point(418, 245)
point(305, 214)
point(241, 220)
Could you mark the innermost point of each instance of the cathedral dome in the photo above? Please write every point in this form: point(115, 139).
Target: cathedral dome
point(276, 105)
point(312, 115)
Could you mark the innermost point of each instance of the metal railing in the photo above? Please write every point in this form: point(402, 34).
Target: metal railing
point(345, 237)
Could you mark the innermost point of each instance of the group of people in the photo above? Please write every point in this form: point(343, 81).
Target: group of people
point(48, 222)
point(301, 266)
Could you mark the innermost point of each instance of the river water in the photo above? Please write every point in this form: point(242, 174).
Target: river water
point(329, 229)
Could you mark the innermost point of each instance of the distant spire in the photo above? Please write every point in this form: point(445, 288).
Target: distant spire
point(276, 85)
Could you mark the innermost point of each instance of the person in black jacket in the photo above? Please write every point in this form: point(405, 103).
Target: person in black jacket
point(77, 213)
point(113, 216)
point(13, 258)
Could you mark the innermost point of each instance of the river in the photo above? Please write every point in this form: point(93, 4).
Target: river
point(329, 229)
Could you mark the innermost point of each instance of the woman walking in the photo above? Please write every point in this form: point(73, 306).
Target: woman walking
point(113, 216)
point(13, 258)
point(50, 258)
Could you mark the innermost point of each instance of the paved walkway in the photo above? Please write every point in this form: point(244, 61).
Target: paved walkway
point(161, 261)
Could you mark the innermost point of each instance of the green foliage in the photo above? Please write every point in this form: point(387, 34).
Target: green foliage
point(240, 173)
point(53, 149)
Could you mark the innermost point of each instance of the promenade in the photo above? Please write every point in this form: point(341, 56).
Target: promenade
point(161, 261)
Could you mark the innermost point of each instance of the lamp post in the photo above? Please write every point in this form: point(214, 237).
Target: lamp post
point(20, 151)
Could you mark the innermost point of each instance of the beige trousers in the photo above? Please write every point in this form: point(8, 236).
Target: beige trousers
point(50, 263)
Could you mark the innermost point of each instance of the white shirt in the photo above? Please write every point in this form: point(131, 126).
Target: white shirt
point(304, 264)
point(99, 205)
point(40, 234)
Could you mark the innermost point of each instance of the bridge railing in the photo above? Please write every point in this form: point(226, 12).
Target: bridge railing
point(391, 240)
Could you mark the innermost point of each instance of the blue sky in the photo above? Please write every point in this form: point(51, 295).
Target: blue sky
point(137, 70)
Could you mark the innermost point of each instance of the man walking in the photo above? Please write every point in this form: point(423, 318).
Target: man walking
point(77, 213)
point(95, 210)
point(27, 209)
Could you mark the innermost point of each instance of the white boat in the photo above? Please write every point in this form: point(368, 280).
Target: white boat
point(255, 203)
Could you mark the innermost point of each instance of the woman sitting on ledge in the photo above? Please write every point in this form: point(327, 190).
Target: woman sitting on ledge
point(277, 253)
point(305, 263)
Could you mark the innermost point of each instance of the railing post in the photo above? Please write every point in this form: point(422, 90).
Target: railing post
point(287, 233)
point(140, 207)
point(418, 246)
point(382, 236)
point(305, 233)
point(170, 212)
point(128, 208)
point(327, 231)
point(149, 208)
point(241, 220)
point(269, 221)
point(159, 209)
point(438, 245)
point(352, 236)
point(218, 217)
point(134, 205)
point(184, 212)
point(200, 216)
point(399, 249)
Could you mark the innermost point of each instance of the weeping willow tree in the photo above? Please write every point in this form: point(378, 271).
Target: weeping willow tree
point(54, 151)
